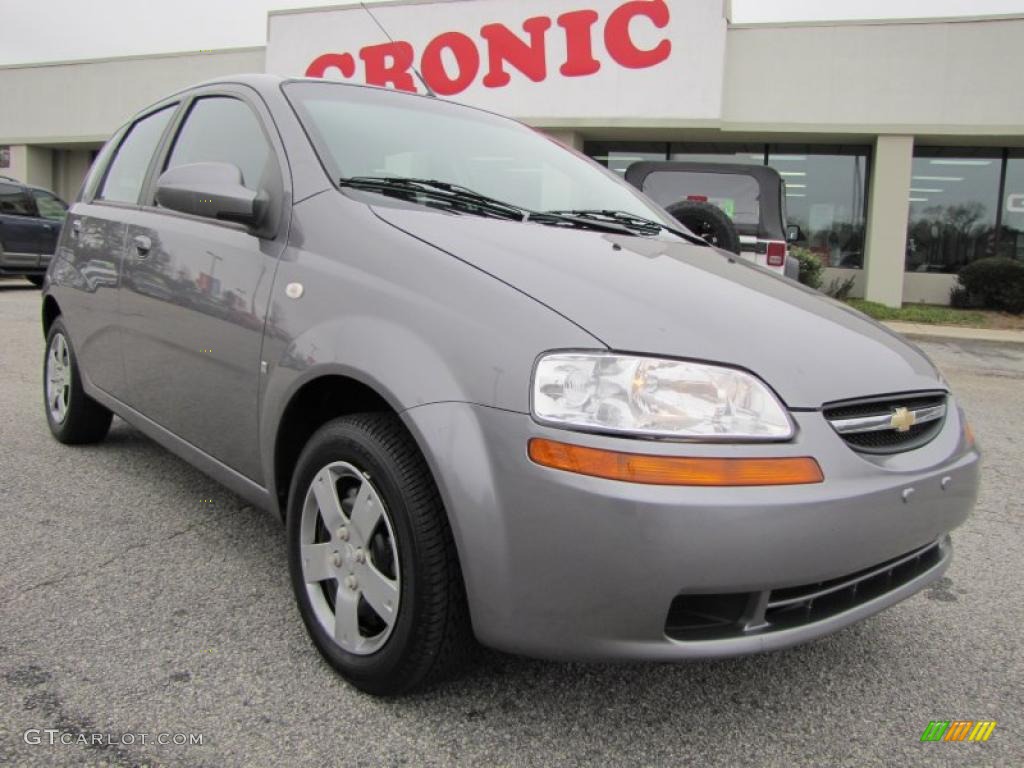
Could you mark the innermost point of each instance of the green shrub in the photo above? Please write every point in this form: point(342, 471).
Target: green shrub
point(840, 289)
point(810, 266)
point(960, 298)
point(996, 283)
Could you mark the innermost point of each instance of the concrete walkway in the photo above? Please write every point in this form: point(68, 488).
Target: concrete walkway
point(955, 333)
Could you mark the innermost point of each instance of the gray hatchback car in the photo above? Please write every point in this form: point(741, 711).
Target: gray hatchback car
point(494, 392)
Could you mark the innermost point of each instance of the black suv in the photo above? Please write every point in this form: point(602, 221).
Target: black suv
point(30, 222)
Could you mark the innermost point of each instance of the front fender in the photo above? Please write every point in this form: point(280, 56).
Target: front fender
point(414, 323)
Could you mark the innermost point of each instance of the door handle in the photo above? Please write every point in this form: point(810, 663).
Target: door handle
point(142, 245)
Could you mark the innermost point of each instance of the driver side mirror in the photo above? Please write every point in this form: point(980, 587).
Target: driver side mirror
point(211, 190)
point(794, 233)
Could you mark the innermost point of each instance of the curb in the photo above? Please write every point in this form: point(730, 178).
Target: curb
point(924, 332)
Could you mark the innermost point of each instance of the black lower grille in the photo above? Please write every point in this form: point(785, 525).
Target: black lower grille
point(717, 617)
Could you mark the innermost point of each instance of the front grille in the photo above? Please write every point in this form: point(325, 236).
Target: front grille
point(864, 424)
point(723, 616)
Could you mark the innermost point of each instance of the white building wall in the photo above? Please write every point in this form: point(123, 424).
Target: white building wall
point(86, 101)
point(919, 78)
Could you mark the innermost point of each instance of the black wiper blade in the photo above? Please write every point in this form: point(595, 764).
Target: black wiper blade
point(559, 219)
point(630, 220)
point(463, 199)
point(437, 191)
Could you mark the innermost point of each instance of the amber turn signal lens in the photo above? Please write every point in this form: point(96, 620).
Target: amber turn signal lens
point(968, 434)
point(674, 470)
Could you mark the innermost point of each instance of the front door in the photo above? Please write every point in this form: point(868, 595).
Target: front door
point(195, 295)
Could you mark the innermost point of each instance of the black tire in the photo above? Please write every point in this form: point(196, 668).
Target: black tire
point(85, 420)
point(708, 222)
point(431, 633)
point(36, 280)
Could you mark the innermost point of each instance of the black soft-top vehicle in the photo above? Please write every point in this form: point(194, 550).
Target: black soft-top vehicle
point(30, 222)
point(737, 207)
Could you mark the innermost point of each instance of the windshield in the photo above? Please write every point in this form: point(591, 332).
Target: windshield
point(364, 132)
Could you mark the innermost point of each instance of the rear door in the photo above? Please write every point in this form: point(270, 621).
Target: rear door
point(92, 249)
point(20, 230)
point(195, 290)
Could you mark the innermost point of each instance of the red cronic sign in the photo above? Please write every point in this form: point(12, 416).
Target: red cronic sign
point(453, 61)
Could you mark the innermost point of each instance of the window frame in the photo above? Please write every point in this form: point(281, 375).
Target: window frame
point(279, 198)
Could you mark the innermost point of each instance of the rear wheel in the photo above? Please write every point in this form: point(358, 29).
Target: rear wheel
point(73, 416)
point(372, 560)
point(36, 280)
point(708, 222)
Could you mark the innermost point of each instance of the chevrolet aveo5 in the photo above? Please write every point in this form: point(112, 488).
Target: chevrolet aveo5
point(495, 393)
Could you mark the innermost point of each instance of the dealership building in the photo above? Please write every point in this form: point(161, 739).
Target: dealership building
point(901, 142)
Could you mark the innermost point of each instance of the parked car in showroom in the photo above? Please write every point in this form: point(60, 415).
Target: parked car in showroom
point(30, 222)
point(495, 393)
point(740, 208)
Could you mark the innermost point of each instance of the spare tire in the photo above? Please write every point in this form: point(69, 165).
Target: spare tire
point(708, 222)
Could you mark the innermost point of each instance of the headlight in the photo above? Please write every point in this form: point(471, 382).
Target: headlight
point(661, 398)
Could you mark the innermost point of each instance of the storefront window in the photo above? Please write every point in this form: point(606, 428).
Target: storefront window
point(826, 194)
point(1011, 243)
point(954, 199)
point(744, 154)
point(619, 155)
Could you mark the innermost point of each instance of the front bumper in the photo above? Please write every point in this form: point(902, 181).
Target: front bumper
point(564, 566)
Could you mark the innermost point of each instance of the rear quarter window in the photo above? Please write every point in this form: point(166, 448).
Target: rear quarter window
point(736, 194)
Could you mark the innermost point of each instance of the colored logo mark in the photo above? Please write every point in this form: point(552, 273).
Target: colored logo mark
point(958, 730)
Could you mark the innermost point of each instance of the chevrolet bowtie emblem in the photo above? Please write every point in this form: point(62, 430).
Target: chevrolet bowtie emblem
point(902, 420)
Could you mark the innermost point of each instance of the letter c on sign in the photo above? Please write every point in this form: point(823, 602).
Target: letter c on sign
point(619, 41)
point(343, 62)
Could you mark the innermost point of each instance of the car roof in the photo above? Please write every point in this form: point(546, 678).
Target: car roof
point(265, 84)
point(11, 180)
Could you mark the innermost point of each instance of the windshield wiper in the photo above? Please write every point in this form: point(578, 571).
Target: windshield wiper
point(631, 221)
point(465, 199)
point(436, 191)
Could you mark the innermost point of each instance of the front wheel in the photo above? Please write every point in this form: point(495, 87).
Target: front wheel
point(73, 416)
point(372, 560)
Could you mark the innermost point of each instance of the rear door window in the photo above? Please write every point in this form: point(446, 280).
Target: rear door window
point(16, 201)
point(736, 194)
point(127, 171)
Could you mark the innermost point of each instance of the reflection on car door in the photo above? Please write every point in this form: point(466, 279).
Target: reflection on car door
point(195, 294)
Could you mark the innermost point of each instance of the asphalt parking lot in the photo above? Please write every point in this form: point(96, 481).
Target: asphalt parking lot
point(139, 597)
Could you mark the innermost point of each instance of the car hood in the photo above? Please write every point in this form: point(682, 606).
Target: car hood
point(664, 296)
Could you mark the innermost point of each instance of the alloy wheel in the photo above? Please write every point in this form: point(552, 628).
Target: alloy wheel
point(349, 558)
point(58, 378)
